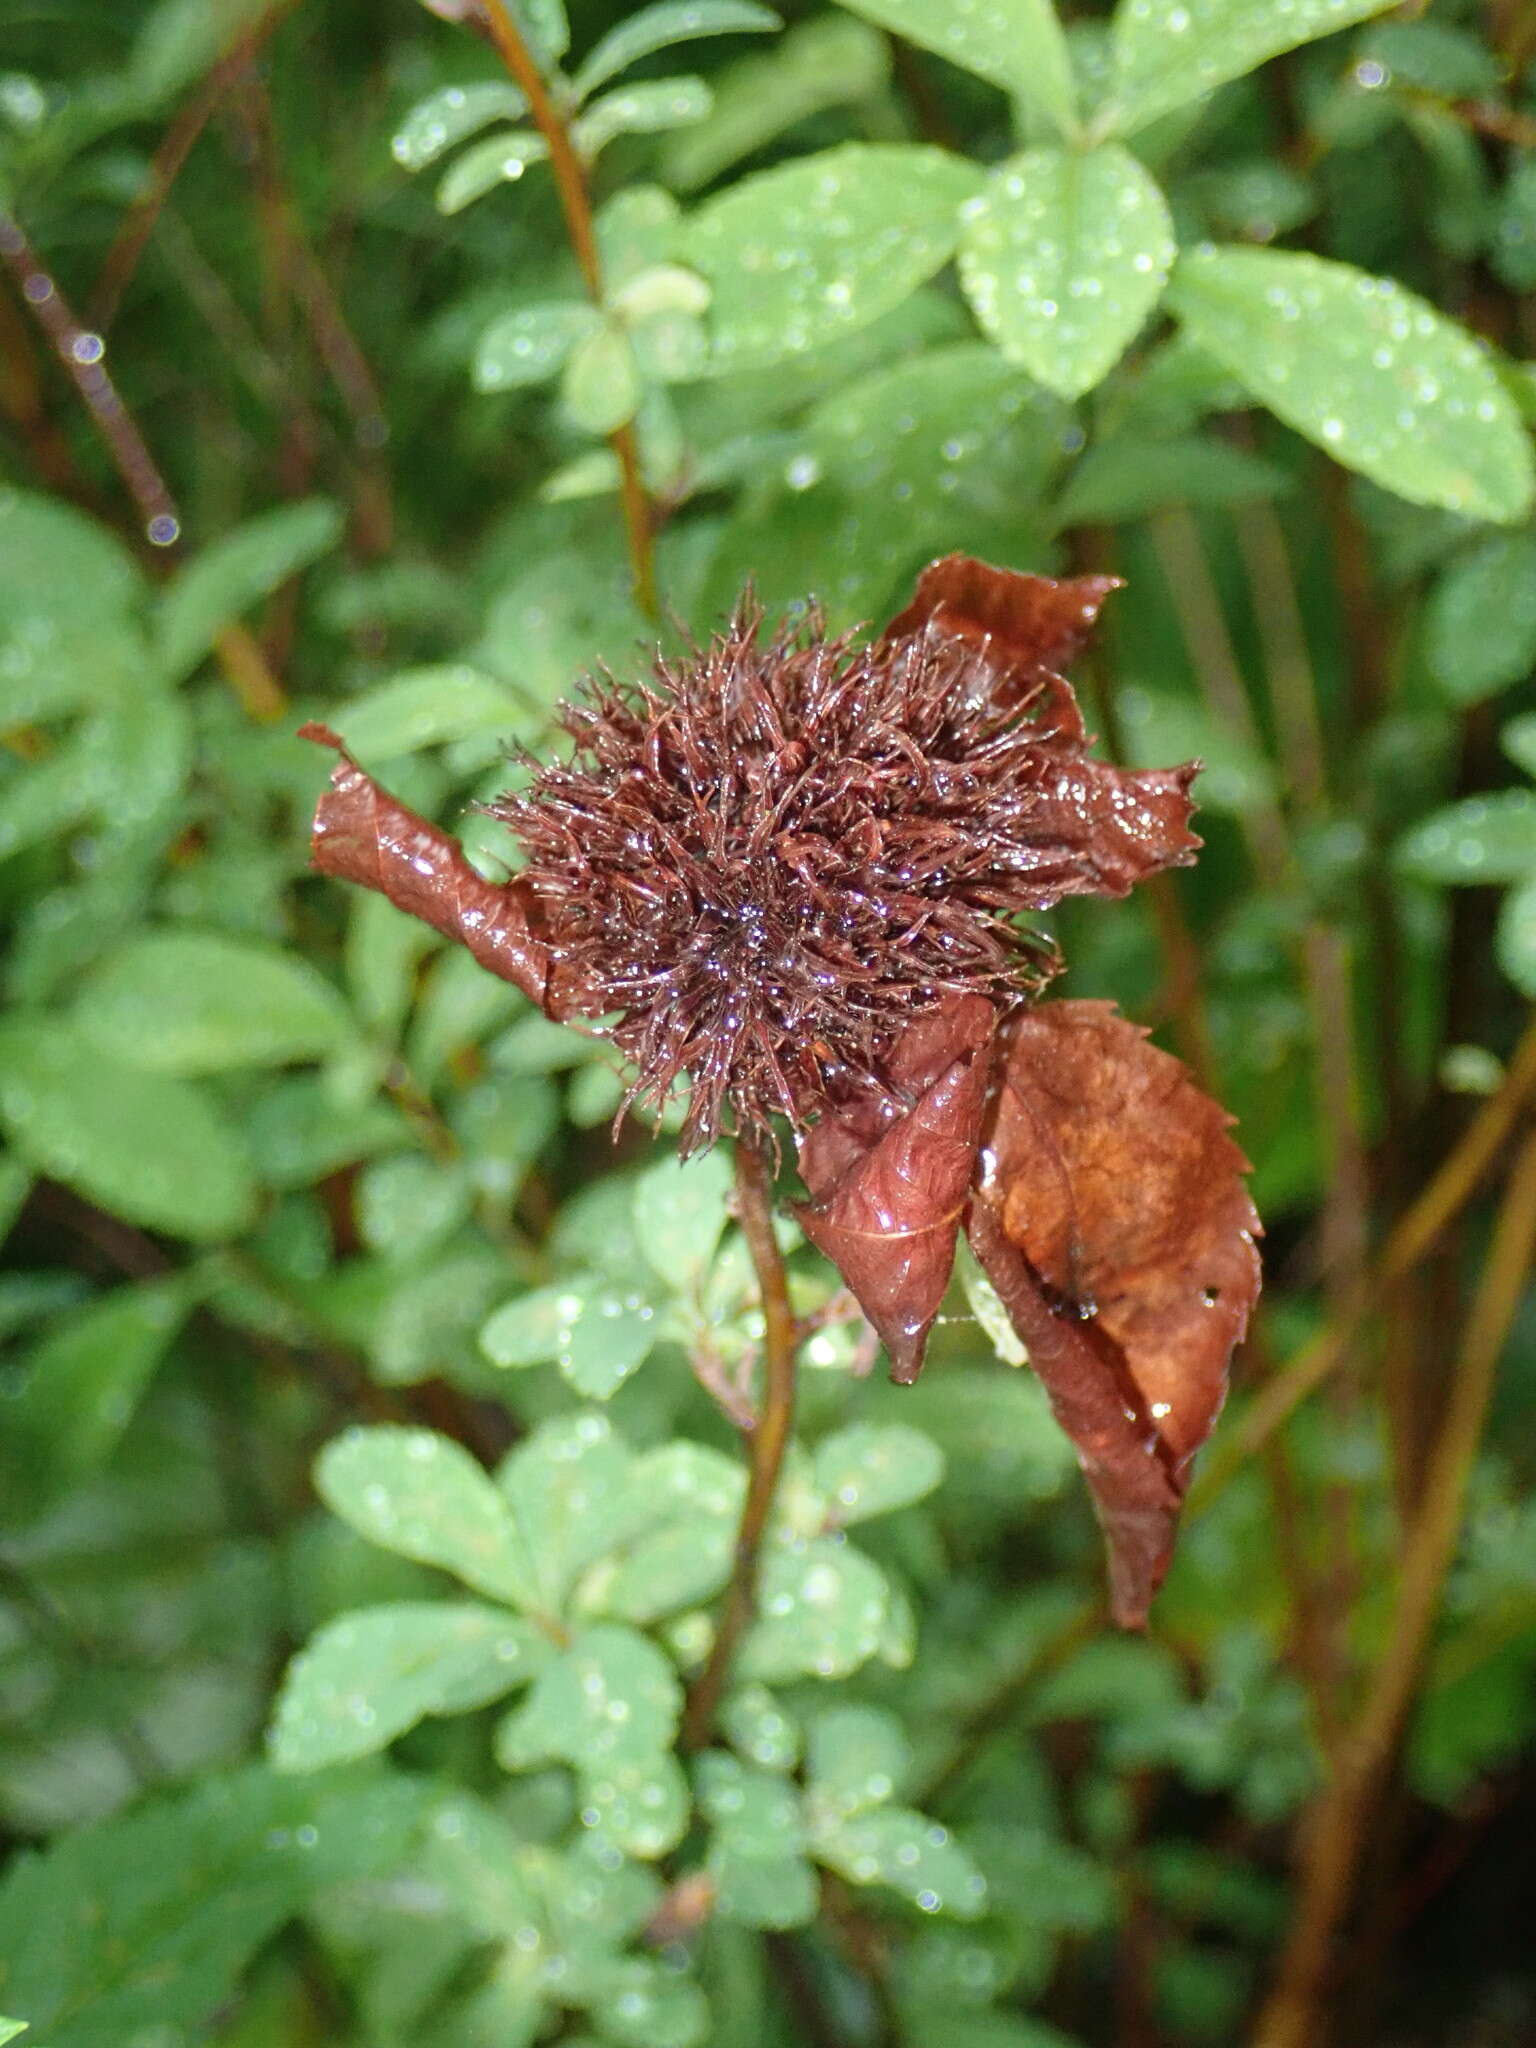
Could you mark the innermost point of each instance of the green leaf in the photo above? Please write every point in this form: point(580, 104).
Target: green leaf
point(1017, 44)
point(596, 1335)
point(648, 109)
point(1063, 257)
point(821, 1609)
point(869, 1469)
point(1513, 244)
point(500, 159)
point(449, 115)
point(408, 1204)
point(686, 1504)
point(857, 1757)
point(423, 1496)
point(138, 1928)
point(812, 250)
point(1480, 623)
point(181, 40)
point(662, 26)
point(529, 346)
point(570, 1490)
point(190, 1002)
point(428, 707)
point(9, 2029)
point(151, 1149)
point(680, 1215)
point(756, 1853)
point(1480, 840)
point(369, 1675)
point(126, 766)
point(15, 1186)
point(754, 1723)
point(234, 573)
point(1170, 51)
point(58, 566)
point(641, 1804)
point(1514, 940)
point(909, 1852)
point(78, 1388)
point(601, 385)
point(826, 62)
point(649, 2006)
point(483, 1865)
point(1518, 739)
point(1371, 373)
point(546, 26)
point(1129, 475)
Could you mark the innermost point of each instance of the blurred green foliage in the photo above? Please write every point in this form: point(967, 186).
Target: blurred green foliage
point(350, 1367)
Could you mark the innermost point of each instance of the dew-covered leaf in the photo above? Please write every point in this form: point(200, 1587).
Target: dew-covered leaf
point(648, 109)
point(909, 1852)
point(1514, 939)
point(1170, 51)
point(1062, 257)
point(680, 1214)
point(1518, 739)
point(821, 1608)
point(595, 1334)
point(407, 1204)
point(610, 1698)
point(370, 1675)
point(856, 1757)
point(649, 2006)
point(1114, 1224)
point(1371, 373)
point(661, 27)
point(124, 766)
point(421, 1494)
point(233, 573)
point(500, 159)
point(529, 346)
point(570, 1487)
point(451, 114)
point(800, 254)
point(152, 1149)
point(759, 1729)
point(756, 1852)
point(640, 1804)
point(869, 1469)
point(57, 565)
point(1482, 839)
point(1480, 623)
point(181, 1001)
point(1128, 476)
point(1017, 44)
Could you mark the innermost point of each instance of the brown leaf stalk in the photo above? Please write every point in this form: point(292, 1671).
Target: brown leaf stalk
point(1335, 1838)
point(770, 1436)
point(576, 205)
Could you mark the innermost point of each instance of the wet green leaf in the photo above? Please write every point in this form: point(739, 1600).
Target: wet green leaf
point(1063, 256)
point(909, 1852)
point(1480, 623)
point(1017, 44)
point(422, 1495)
point(1480, 840)
point(870, 1469)
point(1514, 939)
point(648, 109)
point(662, 26)
point(500, 159)
point(601, 385)
point(177, 1001)
point(370, 1675)
point(1128, 476)
point(856, 1757)
point(530, 345)
point(449, 115)
point(648, 2006)
point(755, 1725)
point(595, 1334)
point(821, 1608)
point(1170, 51)
point(798, 255)
point(570, 1488)
point(152, 1149)
point(58, 565)
point(680, 1215)
point(1372, 374)
point(756, 1854)
point(406, 1204)
point(236, 571)
point(427, 707)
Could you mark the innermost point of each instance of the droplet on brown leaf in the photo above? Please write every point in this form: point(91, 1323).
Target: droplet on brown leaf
point(889, 1176)
point(1113, 1180)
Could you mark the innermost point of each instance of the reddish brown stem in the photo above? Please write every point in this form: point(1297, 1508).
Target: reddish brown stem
point(770, 1436)
point(576, 205)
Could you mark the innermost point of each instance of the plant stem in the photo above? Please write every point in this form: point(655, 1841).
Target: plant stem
point(576, 205)
point(1335, 1840)
point(770, 1435)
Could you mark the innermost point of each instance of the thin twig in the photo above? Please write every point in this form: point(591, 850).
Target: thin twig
point(575, 204)
point(1335, 1838)
point(770, 1435)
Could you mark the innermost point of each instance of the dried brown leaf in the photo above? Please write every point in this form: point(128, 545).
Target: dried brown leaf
point(889, 1175)
point(1113, 1181)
